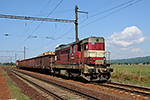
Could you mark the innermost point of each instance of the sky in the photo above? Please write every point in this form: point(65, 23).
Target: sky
point(125, 25)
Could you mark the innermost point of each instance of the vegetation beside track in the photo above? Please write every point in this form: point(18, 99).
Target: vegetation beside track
point(15, 91)
point(131, 74)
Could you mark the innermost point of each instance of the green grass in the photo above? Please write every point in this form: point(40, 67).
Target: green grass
point(134, 69)
point(132, 74)
point(15, 91)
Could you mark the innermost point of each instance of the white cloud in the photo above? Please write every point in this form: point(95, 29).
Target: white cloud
point(108, 45)
point(126, 52)
point(137, 50)
point(129, 36)
point(122, 44)
point(132, 50)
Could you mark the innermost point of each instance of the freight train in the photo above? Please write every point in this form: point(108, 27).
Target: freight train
point(85, 59)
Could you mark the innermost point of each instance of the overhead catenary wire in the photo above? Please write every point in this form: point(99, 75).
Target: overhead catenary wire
point(40, 12)
point(105, 11)
point(32, 22)
point(40, 23)
point(54, 30)
point(107, 3)
point(110, 14)
point(58, 12)
point(110, 9)
point(51, 37)
point(54, 39)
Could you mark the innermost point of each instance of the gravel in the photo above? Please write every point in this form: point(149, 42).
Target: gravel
point(4, 90)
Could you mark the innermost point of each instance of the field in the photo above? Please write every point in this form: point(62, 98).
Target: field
point(132, 74)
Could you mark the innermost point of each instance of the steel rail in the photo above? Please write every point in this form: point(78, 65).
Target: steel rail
point(133, 86)
point(87, 95)
point(133, 89)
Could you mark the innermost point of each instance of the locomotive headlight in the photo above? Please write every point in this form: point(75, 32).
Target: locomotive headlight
point(104, 58)
point(90, 60)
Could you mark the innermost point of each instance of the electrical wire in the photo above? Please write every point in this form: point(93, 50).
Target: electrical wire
point(59, 12)
point(110, 13)
point(107, 3)
point(31, 23)
point(105, 10)
point(54, 40)
point(110, 9)
point(53, 31)
point(37, 15)
point(40, 23)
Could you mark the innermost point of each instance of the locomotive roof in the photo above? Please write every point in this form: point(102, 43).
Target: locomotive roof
point(63, 46)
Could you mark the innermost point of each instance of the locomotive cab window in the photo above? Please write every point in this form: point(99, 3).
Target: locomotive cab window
point(74, 49)
point(79, 48)
point(71, 49)
point(58, 55)
point(85, 47)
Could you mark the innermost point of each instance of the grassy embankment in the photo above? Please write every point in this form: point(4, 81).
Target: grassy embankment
point(131, 74)
point(15, 91)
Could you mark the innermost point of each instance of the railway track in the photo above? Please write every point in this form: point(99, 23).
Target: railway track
point(143, 92)
point(45, 90)
point(131, 88)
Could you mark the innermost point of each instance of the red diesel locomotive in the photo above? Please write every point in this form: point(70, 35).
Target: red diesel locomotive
point(85, 58)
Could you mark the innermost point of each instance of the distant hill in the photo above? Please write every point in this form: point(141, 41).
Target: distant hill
point(132, 60)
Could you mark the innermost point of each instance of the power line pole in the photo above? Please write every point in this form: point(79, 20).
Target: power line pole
point(24, 52)
point(76, 22)
point(10, 59)
point(15, 56)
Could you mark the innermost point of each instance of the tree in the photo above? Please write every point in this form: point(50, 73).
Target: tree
point(11, 63)
point(136, 63)
point(125, 63)
point(147, 62)
point(112, 63)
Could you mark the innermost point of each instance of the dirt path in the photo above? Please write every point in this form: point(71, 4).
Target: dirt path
point(4, 91)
